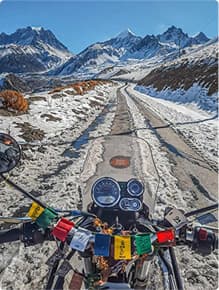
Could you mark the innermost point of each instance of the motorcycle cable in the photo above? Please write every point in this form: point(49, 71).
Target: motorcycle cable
point(53, 270)
point(176, 269)
point(171, 273)
point(27, 194)
point(202, 210)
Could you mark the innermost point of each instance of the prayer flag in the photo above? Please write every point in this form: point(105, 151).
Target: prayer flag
point(167, 236)
point(80, 239)
point(35, 211)
point(62, 229)
point(45, 219)
point(102, 245)
point(143, 244)
point(122, 247)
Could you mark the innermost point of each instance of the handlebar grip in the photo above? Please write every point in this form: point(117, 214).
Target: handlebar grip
point(204, 241)
point(28, 233)
point(10, 235)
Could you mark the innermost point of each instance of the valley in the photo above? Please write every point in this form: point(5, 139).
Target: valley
point(162, 88)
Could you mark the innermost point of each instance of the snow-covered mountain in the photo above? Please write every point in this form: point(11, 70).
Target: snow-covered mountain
point(110, 51)
point(176, 36)
point(31, 49)
point(35, 49)
point(197, 66)
point(128, 46)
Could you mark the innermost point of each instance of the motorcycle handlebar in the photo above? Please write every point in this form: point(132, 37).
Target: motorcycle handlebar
point(201, 240)
point(10, 235)
point(29, 233)
point(204, 241)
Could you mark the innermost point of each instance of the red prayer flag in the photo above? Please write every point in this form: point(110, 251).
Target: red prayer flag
point(166, 236)
point(62, 229)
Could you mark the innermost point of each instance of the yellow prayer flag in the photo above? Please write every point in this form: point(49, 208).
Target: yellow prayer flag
point(35, 211)
point(122, 247)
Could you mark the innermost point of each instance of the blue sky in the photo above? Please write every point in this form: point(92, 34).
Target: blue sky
point(80, 23)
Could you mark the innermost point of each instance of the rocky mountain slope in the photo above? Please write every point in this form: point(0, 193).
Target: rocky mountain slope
point(31, 50)
point(199, 66)
point(128, 46)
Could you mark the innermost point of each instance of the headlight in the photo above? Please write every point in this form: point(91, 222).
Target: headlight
point(106, 192)
point(135, 187)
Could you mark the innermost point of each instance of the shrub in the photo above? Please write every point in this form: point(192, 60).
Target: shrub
point(14, 100)
point(80, 87)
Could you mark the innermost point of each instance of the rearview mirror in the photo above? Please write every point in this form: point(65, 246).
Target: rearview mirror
point(10, 153)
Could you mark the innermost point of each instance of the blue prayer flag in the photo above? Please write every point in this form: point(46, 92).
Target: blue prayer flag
point(102, 245)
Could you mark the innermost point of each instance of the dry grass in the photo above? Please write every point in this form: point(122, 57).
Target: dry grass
point(80, 88)
point(14, 100)
point(184, 77)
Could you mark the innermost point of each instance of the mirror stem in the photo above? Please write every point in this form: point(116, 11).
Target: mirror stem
point(23, 191)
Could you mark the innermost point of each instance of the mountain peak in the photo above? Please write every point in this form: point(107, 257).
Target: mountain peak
point(173, 30)
point(32, 36)
point(201, 37)
point(37, 29)
point(174, 35)
point(125, 33)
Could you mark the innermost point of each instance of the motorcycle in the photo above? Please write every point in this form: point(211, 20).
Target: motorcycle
point(111, 242)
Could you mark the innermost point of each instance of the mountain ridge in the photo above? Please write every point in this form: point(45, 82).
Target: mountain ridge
point(35, 49)
point(126, 45)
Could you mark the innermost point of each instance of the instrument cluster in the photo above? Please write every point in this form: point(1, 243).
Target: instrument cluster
point(127, 196)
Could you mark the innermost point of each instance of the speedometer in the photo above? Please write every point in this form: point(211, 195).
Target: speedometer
point(135, 187)
point(106, 192)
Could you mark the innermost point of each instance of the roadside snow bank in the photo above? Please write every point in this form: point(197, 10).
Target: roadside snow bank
point(198, 127)
point(196, 95)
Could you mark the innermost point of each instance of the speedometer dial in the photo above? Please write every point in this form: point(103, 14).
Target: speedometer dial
point(106, 192)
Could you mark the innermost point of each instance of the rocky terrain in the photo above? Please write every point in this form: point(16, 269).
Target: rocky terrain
point(31, 50)
point(198, 67)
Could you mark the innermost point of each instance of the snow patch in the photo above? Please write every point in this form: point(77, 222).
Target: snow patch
point(196, 95)
point(125, 33)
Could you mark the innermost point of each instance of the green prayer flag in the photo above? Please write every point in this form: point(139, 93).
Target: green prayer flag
point(143, 244)
point(45, 219)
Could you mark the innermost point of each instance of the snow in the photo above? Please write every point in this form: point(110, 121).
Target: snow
point(137, 69)
point(38, 29)
point(25, 268)
point(197, 271)
point(198, 126)
point(196, 95)
point(68, 109)
point(126, 33)
point(1, 81)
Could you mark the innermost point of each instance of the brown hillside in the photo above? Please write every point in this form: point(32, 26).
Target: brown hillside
point(183, 76)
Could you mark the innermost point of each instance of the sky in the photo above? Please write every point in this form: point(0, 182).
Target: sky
point(78, 24)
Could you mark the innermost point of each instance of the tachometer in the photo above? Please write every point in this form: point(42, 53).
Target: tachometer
point(106, 192)
point(135, 187)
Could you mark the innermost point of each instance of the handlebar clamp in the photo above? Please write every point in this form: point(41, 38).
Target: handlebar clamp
point(31, 234)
